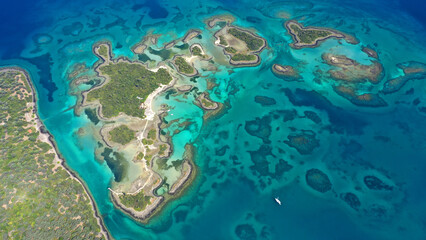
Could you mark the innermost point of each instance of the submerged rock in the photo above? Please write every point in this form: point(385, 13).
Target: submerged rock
point(374, 183)
point(260, 127)
point(351, 199)
point(318, 180)
point(412, 71)
point(362, 100)
point(304, 142)
point(264, 100)
point(313, 116)
point(245, 232)
point(351, 71)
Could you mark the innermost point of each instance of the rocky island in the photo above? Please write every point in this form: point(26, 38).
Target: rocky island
point(242, 46)
point(313, 36)
point(286, 72)
point(183, 67)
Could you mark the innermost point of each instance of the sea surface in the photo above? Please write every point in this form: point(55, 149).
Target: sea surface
point(243, 157)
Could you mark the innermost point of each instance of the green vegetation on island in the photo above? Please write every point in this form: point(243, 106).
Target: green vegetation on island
point(184, 66)
point(39, 199)
point(152, 134)
point(122, 135)
point(103, 51)
point(313, 36)
point(230, 50)
point(252, 42)
point(222, 41)
point(162, 150)
point(139, 156)
point(207, 103)
point(309, 35)
point(127, 87)
point(242, 45)
point(147, 141)
point(241, 57)
point(137, 201)
point(196, 51)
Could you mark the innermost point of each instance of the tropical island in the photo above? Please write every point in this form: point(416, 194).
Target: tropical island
point(312, 37)
point(242, 46)
point(131, 135)
point(126, 118)
point(49, 200)
point(184, 67)
point(197, 50)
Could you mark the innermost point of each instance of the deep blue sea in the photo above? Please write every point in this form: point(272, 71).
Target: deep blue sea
point(243, 156)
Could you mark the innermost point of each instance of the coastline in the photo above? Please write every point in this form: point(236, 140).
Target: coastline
point(296, 42)
point(51, 141)
point(194, 73)
point(286, 72)
point(250, 63)
point(184, 185)
point(84, 104)
point(213, 20)
point(190, 35)
point(154, 180)
point(204, 56)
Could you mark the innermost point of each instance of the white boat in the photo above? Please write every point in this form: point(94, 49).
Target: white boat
point(278, 201)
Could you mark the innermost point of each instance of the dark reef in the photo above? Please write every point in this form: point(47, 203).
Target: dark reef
point(374, 183)
point(304, 142)
point(351, 199)
point(318, 180)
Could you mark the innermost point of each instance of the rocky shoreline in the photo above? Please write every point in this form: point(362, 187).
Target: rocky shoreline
point(335, 34)
point(158, 201)
point(194, 72)
point(161, 201)
point(255, 53)
point(190, 35)
point(285, 71)
point(212, 21)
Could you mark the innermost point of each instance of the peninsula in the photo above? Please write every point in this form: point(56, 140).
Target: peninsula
point(48, 201)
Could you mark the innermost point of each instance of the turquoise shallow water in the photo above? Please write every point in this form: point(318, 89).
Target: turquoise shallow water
point(243, 158)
